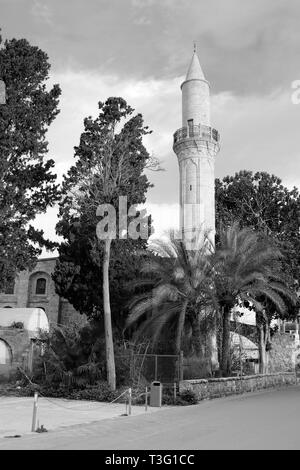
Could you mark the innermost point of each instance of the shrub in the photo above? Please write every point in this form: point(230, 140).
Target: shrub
point(196, 368)
point(99, 392)
point(187, 397)
point(74, 356)
point(17, 324)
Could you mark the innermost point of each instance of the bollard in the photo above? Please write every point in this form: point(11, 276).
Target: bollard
point(129, 401)
point(175, 392)
point(34, 413)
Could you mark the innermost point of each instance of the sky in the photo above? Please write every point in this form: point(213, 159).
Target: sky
point(140, 49)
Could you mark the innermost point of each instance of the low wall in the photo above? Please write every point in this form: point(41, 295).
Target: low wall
point(18, 340)
point(214, 388)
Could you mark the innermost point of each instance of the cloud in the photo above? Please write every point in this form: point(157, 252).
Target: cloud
point(47, 223)
point(140, 50)
point(164, 216)
point(42, 12)
point(247, 47)
point(158, 100)
point(257, 132)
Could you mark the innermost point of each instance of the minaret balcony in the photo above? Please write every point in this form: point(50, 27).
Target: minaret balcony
point(200, 131)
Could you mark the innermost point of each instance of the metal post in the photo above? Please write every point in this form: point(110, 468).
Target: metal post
point(131, 364)
point(129, 401)
point(155, 371)
point(146, 399)
point(241, 365)
point(181, 366)
point(34, 413)
point(175, 392)
point(30, 357)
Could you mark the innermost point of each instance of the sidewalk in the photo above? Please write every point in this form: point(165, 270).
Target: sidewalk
point(267, 419)
point(54, 413)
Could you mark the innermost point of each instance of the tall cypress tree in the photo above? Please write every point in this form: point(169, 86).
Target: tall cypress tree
point(27, 184)
point(111, 160)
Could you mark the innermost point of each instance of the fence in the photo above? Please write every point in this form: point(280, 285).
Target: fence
point(166, 368)
point(243, 361)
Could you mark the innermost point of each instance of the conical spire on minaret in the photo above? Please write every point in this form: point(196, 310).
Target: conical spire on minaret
point(195, 71)
point(195, 95)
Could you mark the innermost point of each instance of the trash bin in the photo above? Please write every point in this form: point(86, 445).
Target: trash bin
point(155, 394)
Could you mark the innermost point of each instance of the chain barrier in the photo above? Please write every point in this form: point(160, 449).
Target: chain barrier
point(66, 400)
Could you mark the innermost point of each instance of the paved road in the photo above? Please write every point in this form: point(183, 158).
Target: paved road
point(263, 420)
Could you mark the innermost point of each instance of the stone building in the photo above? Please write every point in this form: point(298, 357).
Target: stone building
point(36, 289)
point(19, 332)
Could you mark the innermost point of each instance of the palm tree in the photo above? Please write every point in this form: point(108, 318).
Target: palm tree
point(246, 269)
point(180, 285)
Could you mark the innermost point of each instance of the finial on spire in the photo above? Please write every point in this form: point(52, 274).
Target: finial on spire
point(195, 46)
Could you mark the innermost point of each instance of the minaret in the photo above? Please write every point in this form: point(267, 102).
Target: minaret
point(196, 145)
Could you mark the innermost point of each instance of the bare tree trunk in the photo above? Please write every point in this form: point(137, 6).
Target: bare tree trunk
point(267, 340)
point(263, 339)
point(109, 344)
point(196, 337)
point(261, 349)
point(219, 332)
point(180, 327)
point(225, 360)
point(214, 345)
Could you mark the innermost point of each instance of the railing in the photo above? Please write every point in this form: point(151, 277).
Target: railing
point(200, 131)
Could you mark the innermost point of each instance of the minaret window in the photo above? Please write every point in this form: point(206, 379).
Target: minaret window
point(191, 127)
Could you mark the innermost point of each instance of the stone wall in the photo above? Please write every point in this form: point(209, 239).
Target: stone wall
point(19, 343)
point(214, 388)
point(282, 353)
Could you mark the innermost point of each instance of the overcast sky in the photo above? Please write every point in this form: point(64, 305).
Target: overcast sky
point(140, 49)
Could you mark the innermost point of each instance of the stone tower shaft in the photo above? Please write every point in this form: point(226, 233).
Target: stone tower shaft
point(196, 145)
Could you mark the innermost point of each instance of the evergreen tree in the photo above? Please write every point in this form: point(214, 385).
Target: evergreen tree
point(27, 184)
point(111, 160)
point(261, 201)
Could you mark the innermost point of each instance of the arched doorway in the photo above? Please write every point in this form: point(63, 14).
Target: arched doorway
point(5, 353)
